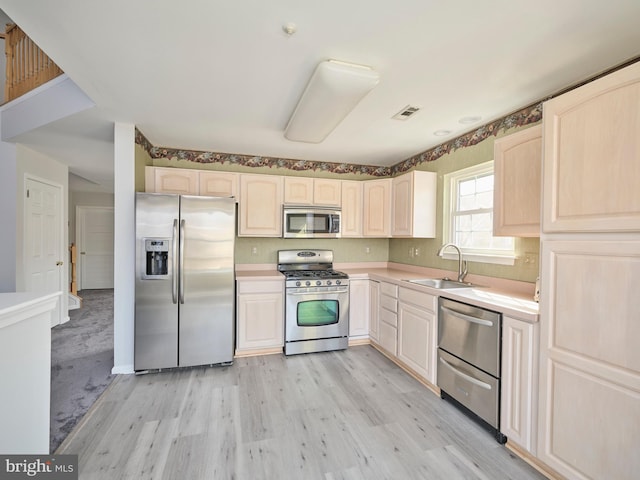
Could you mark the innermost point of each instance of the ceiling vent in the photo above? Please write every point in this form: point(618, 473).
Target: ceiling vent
point(406, 112)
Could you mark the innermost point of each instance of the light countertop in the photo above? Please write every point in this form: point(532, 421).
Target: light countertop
point(512, 298)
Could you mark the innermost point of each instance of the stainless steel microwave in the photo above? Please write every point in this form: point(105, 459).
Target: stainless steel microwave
point(303, 221)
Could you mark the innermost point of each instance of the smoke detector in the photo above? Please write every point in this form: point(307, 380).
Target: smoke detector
point(406, 112)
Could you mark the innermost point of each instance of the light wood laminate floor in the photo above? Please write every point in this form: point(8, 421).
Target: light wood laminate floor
point(350, 414)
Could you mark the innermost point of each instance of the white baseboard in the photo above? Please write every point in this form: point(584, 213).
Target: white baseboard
point(122, 370)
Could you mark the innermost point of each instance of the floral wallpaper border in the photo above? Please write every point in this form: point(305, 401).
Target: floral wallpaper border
point(525, 116)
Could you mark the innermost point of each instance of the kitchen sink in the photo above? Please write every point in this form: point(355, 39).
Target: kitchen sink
point(441, 283)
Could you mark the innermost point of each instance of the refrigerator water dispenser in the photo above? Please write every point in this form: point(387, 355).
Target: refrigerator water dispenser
point(157, 258)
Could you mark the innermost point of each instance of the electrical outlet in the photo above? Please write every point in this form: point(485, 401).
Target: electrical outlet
point(254, 250)
point(410, 252)
point(530, 259)
point(367, 250)
point(416, 251)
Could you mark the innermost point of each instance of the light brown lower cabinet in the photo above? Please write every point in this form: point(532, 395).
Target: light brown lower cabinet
point(519, 389)
point(374, 310)
point(359, 308)
point(417, 332)
point(259, 316)
point(388, 320)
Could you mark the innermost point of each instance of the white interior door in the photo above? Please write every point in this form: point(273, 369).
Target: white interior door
point(95, 245)
point(43, 240)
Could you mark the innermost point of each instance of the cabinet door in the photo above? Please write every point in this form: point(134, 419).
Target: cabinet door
point(358, 308)
point(517, 186)
point(327, 192)
point(176, 180)
point(260, 206)
point(589, 400)
point(218, 184)
point(388, 338)
point(413, 206)
point(351, 218)
point(377, 196)
point(519, 389)
point(298, 190)
point(592, 156)
point(402, 206)
point(260, 321)
point(374, 309)
point(416, 340)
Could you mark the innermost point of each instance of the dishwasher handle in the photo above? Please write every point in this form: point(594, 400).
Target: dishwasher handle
point(468, 378)
point(467, 318)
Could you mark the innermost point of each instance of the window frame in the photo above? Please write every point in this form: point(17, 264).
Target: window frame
point(450, 197)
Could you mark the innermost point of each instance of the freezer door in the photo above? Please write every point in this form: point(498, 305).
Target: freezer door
point(156, 313)
point(206, 282)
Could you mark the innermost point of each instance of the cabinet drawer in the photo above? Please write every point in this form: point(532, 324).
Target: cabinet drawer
point(388, 337)
point(420, 299)
point(261, 286)
point(389, 317)
point(389, 289)
point(389, 303)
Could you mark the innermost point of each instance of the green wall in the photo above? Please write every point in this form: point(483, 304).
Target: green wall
point(345, 250)
point(459, 159)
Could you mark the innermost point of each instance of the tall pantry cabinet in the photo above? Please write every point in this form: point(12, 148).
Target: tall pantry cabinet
point(589, 401)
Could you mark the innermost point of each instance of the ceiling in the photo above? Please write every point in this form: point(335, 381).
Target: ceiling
point(223, 76)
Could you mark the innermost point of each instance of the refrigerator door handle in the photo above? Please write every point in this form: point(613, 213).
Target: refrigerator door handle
point(174, 275)
point(181, 283)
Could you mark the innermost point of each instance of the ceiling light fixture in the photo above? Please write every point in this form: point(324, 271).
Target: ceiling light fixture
point(441, 133)
point(469, 120)
point(334, 89)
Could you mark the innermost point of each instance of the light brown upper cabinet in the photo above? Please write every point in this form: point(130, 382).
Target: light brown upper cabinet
point(517, 183)
point(327, 191)
point(377, 211)
point(351, 220)
point(298, 190)
point(260, 212)
point(171, 180)
point(218, 184)
point(413, 205)
point(312, 191)
point(592, 156)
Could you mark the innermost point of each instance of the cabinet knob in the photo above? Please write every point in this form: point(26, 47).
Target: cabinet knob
point(58, 263)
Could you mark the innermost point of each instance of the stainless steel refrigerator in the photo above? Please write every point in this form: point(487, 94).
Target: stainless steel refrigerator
point(184, 308)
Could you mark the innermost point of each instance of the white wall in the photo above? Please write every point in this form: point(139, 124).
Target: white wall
point(39, 166)
point(85, 199)
point(8, 199)
point(124, 248)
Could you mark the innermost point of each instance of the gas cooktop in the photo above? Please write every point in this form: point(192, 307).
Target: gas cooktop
point(307, 274)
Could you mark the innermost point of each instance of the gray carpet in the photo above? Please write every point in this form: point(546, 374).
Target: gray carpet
point(81, 362)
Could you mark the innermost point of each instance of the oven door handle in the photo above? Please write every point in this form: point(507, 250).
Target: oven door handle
point(468, 378)
point(468, 318)
point(323, 292)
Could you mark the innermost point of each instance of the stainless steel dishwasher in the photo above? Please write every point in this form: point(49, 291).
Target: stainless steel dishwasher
point(469, 343)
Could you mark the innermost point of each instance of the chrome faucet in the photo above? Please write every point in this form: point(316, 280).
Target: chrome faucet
point(462, 264)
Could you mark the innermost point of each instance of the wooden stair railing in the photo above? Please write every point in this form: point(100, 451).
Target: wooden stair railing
point(28, 67)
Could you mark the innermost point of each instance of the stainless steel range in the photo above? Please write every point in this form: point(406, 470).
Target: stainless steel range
point(316, 302)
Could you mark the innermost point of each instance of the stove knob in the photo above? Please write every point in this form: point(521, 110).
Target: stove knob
point(328, 282)
point(338, 282)
point(307, 283)
point(318, 282)
point(298, 284)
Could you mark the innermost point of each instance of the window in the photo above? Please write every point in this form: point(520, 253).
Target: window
point(468, 216)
